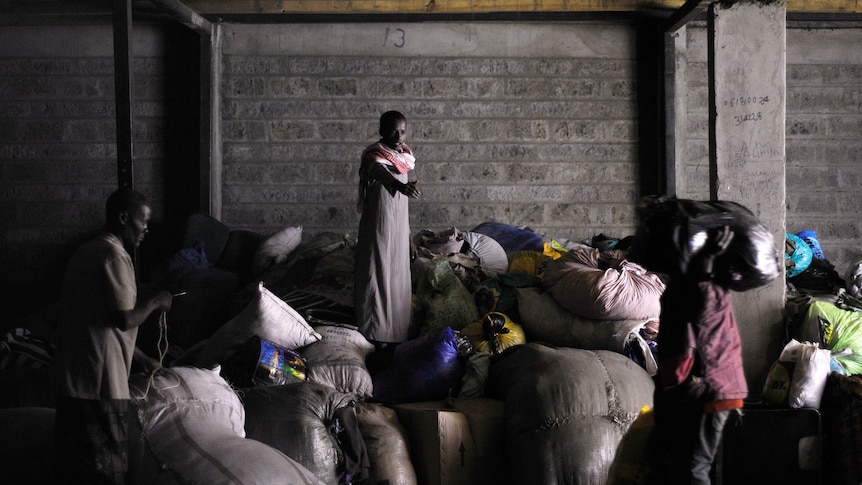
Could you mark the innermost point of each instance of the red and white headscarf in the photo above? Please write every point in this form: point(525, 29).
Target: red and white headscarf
point(402, 160)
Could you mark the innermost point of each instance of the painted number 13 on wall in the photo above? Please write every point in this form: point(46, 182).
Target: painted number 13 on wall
point(394, 37)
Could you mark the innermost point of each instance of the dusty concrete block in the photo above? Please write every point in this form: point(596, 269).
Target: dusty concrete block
point(476, 88)
point(822, 99)
point(240, 216)
point(437, 172)
point(244, 130)
point(619, 88)
point(337, 172)
point(11, 66)
point(486, 109)
point(291, 215)
point(530, 214)
point(438, 87)
point(574, 130)
point(250, 194)
point(527, 193)
point(799, 126)
point(244, 86)
point(385, 87)
point(102, 130)
point(526, 130)
point(338, 130)
point(813, 203)
point(432, 194)
point(282, 130)
point(532, 173)
point(247, 173)
point(41, 130)
point(289, 87)
point(336, 87)
point(254, 65)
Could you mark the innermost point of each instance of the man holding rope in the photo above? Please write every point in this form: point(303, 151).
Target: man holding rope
point(100, 313)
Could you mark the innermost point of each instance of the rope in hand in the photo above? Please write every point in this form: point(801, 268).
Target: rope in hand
point(162, 347)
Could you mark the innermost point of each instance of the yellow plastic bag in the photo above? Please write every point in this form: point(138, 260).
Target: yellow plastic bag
point(527, 261)
point(494, 333)
point(632, 464)
point(554, 249)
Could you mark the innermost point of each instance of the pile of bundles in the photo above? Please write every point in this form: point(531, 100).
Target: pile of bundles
point(293, 407)
point(469, 287)
point(517, 288)
point(826, 338)
point(820, 366)
point(495, 294)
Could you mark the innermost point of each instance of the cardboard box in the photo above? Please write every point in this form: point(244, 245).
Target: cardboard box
point(457, 443)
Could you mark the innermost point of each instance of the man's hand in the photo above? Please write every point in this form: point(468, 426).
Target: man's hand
point(410, 190)
point(163, 301)
point(715, 246)
point(721, 241)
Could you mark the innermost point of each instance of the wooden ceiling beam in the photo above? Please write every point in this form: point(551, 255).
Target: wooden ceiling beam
point(271, 7)
point(687, 12)
point(423, 6)
point(195, 13)
point(185, 15)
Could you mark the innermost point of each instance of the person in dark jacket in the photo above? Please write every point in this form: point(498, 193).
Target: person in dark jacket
point(700, 380)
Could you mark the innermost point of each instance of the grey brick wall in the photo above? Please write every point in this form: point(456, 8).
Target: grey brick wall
point(824, 138)
point(58, 148)
point(823, 133)
point(528, 133)
point(527, 124)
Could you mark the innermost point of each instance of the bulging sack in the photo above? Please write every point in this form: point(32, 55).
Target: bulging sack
point(673, 230)
point(798, 378)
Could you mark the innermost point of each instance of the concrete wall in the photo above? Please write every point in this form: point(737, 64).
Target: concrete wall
point(58, 146)
point(526, 123)
point(823, 133)
point(522, 123)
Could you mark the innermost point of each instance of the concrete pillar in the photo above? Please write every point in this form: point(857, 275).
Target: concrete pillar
point(676, 119)
point(747, 51)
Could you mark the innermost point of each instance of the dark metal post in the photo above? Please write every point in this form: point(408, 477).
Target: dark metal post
point(123, 90)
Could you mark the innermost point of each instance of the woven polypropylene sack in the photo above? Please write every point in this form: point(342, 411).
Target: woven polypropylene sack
point(295, 419)
point(566, 410)
point(387, 444)
point(546, 321)
point(190, 430)
point(338, 360)
point(622, 291)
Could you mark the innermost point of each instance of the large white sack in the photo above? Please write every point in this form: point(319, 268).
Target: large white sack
point(190, 429)
point(338, 360)
point(603, 286)
point(543, 319)
point(566, 410)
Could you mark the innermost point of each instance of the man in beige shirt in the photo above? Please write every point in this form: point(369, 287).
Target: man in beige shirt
point(100, 313)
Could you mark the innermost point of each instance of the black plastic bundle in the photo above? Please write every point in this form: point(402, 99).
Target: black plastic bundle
point(672, 231)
